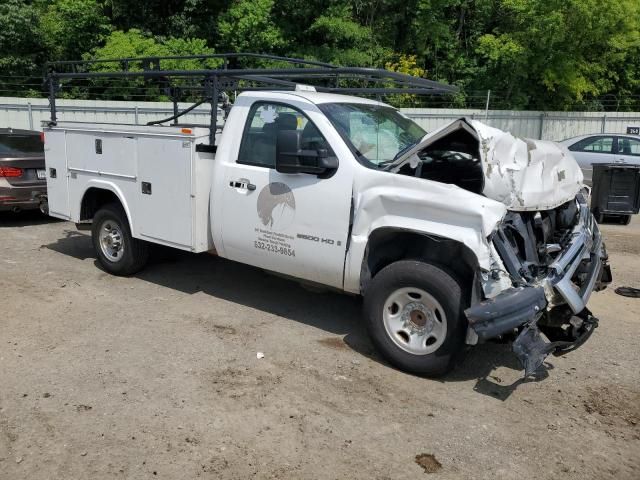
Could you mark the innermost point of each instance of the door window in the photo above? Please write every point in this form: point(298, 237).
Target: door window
point(594, 145)
point(628, 146)
point(265, 120)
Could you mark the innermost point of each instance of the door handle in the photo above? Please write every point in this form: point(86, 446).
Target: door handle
point(242, 184)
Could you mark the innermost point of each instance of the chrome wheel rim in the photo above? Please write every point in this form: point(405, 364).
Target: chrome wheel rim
point(415, 321)
point(111, 240)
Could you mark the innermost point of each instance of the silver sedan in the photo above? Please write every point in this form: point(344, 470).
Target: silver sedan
point(603, 148)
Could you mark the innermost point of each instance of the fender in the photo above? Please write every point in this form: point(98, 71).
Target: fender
point(105, 185)
point(386, 200)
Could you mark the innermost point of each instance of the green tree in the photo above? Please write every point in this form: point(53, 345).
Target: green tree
point(135, 43)
point(404, 64)
point(556, 53)
point(72, 27)
point(20, 47)
point(548, 54)
point(247, 26)
point(335, 36)
point(176, 18)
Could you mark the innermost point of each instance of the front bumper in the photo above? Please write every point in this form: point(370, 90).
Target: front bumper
point(579, 270)
point(586, 251)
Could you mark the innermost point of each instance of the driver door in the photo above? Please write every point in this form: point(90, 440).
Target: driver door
point(295, 224)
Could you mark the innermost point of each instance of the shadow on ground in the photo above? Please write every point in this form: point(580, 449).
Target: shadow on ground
point(481, 363)
point(25, 218)
point(333, 312)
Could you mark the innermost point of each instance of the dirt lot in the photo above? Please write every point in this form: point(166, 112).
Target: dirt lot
point(156, 376)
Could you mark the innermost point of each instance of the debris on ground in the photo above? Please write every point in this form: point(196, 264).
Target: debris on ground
point(428, 462)
point(628, 292)
point(259, 355)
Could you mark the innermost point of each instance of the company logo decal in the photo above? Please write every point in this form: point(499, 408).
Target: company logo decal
point(276, 206)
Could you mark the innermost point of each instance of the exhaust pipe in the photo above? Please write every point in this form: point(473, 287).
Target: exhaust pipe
point(16, 209)
point(44, 206)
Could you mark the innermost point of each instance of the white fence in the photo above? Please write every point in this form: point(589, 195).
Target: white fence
point(532, 124)
point(30, 112)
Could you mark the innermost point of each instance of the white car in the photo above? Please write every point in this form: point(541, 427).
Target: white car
point(603, 148)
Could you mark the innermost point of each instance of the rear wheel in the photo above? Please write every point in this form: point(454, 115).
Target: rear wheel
point(117, 251)
point(415, 316)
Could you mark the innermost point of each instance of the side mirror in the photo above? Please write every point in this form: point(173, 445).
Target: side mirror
point(291, 158)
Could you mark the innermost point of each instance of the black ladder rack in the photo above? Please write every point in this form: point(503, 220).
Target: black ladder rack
point(324, 77)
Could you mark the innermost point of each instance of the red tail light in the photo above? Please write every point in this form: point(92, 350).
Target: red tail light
point(11, 172)
point(42, 137)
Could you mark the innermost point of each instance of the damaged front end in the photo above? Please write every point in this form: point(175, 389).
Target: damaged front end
point(553, 260)
point(546, 255)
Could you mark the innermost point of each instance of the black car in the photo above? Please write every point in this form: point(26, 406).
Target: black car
point(23, 184)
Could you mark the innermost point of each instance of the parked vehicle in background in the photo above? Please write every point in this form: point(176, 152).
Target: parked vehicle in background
point(603, 148)
point(23, 184)
point(616, 192)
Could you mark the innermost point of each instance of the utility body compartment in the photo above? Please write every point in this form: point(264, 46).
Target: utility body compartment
point(161, 180)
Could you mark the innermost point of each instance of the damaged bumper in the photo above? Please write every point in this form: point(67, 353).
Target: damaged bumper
point(585, 252)
point(510, 309)
point(574, 274)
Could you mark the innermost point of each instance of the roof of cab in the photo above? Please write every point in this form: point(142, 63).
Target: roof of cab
point(320, 97)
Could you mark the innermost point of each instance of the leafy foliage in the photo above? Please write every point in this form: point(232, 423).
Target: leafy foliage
point(72, 27)
point(20, 45)
point(547, 54)
point(247, 26)
point(134, 44)
point(336, 37)
point(560, 51)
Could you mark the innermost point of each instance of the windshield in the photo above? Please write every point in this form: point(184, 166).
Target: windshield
point(13, 144)
point(376, 134)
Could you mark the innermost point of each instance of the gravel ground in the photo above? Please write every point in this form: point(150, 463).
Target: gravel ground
point(157, 376)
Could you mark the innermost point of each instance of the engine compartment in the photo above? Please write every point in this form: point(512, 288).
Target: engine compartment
point(453, 159)
point(529, 242)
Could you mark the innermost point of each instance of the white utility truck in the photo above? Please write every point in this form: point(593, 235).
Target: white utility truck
point(452, 237)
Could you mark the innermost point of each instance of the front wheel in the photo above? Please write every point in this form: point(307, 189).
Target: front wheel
point(415, 316)
point(116, 249)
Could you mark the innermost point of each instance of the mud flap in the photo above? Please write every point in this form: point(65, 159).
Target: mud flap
point(531, 348)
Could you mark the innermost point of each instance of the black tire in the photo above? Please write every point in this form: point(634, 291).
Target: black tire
point(625, 219)
point(438, 283)
point(136, 252)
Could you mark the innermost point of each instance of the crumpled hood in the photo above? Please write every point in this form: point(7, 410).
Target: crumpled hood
point(521, 173)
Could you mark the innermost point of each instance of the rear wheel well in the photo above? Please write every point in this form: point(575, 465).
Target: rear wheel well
point(94, 199)
point(389, 245)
